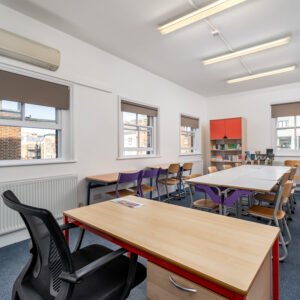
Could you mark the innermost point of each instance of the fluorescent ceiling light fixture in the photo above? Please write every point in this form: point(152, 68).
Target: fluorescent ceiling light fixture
point(198, 15)
point(247, 51)
point(264, 74)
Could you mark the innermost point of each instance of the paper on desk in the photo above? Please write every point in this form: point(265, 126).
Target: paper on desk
point(125, 202)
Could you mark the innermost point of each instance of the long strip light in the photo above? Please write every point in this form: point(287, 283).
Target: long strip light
point(248, 51)
point(264, 74)
point(198, 15)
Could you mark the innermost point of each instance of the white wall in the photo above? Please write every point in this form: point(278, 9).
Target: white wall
point(255, 106)
point(95, 112)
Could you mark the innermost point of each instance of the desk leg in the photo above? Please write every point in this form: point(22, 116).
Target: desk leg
point(66, 232)
point(88, 193)
point(276, 270)
point(151, 184)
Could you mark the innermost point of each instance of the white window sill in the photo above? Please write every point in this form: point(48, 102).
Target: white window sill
point(137, 157)
point(18, 163)
point(287, 155)
point(190, 154)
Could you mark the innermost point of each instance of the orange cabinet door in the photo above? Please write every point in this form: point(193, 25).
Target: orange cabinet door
point(217, 129)
point(233, 128)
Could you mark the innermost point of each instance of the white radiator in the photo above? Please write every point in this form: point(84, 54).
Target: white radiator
point(56, 194)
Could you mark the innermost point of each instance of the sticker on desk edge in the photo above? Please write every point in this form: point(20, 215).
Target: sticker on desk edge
point(127, 203)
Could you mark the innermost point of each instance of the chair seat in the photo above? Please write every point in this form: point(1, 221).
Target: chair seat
point(265, 212)
point(191, 176)
point(123, 193)
point(168, 181)
point(265, 197)
point(107, 283)
point(206, 203)
point(145, 188)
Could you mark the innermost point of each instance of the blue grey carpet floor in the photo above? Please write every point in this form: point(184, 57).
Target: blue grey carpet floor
point(14, 257)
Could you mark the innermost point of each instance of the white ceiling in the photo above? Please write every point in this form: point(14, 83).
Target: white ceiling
point(127, 28)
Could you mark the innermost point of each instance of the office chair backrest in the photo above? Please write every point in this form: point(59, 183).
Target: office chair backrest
point(50, 251)
point(212, 169)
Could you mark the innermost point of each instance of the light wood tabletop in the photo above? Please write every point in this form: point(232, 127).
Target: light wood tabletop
point(248, 177)
point(107, 178)
point(230, 257)
point(162, 166)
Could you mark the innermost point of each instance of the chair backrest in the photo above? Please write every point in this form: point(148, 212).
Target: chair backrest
point(284, 192)
point(174, 168)
point(50, 251)
point(129, 177)
point(187, 166)
point(292, 173)
point(225, 167)
point(151, 173)
point(287, 189)
point(212, 169)
point(285, 177)
point(238, 164)
point(292, 163)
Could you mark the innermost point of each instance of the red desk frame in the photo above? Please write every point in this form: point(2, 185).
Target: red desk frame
point(201, 281)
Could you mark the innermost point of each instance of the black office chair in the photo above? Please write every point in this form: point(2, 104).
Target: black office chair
point(53, 272)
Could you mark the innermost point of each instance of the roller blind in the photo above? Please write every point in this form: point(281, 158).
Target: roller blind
point(285, 109)
point(138, 109)
point(189, 121)
point(26, 89)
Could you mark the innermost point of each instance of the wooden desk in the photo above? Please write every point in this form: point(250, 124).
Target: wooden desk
point(162, 166)
point(102, 180)
point(247, 177)
point(228, 262)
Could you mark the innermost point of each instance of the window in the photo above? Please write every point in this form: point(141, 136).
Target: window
point(189, 135)
point(288, 133)
point(34, 134)
point(286, 118)
point(31, 113)
point(138, 129)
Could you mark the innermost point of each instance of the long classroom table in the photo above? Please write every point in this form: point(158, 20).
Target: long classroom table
point(248, 177)
point(212, 256)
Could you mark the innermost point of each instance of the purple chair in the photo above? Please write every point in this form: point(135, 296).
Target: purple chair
point(125, 178)
point(215, 203)
point(143, 188)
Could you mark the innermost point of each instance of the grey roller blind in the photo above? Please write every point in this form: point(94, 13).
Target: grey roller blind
point(138, 108)
point(285, 109)
point(189, 121)
point(26, 89)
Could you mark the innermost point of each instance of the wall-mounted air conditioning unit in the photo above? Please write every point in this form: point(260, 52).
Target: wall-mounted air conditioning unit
point(23, 49)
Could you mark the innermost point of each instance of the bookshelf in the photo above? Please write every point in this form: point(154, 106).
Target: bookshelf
point(228, 141)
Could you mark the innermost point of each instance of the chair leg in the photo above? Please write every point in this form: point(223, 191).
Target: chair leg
point(191, 196)
point(182, 183)
point(287, 231)
point(282, 258)
point(168, 196)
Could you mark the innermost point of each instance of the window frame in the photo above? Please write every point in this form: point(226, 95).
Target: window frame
point(122, 149)
point(284, 152)
point(197, 141)
point(64, 123)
